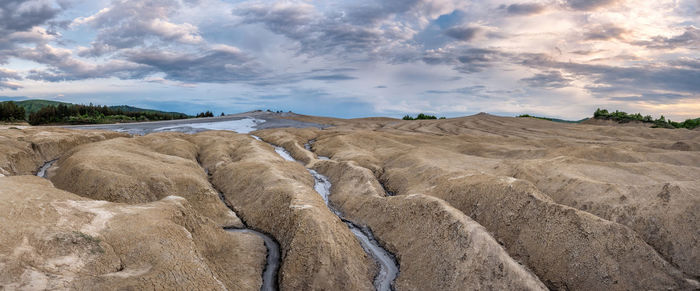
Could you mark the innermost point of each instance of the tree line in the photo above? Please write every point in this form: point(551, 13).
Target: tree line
point(421, 116)
point(9, 111)
point(90, 114)
point(624, 117)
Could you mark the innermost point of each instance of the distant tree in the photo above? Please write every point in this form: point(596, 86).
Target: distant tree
point(622, 117)
point(205, 114)
point(9, 111)
point(222, 114)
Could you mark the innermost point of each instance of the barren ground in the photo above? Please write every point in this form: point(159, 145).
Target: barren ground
point(479, 202)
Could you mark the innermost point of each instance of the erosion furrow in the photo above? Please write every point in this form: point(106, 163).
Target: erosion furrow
point(388, 268)
point(534, 228)
point(277, 196)
point(437, 246)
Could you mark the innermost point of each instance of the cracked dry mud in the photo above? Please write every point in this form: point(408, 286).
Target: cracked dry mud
point(480, 202)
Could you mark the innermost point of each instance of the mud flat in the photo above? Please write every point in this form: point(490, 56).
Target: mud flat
point(277, 197)
point(495, 169)
point(52, 239)
point(480, 202)
point(388, 268)
point(437, 246)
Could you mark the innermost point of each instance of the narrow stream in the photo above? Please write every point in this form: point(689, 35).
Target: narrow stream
point(272, 264)
point(388, 268)
point(42, 171)
point(273, 258)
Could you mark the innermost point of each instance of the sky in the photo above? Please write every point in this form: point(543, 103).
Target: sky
point(358, 58)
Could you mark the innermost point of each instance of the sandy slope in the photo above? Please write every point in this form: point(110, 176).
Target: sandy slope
point(634, 189)
point(482, 202)
point(52, 239)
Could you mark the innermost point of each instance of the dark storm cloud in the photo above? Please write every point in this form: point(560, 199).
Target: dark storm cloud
point(549, 80)
point(689, 38)
point(523, 8)
point(462, 33)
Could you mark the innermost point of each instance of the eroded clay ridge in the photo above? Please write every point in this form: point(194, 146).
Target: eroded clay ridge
point(561, 198)
point(481, 202)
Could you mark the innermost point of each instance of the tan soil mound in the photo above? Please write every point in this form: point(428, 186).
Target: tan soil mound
point(52, 239)
point(277, 197)
point(23, 151)
point(437, 246)
point(452, 159)
point(141, 169)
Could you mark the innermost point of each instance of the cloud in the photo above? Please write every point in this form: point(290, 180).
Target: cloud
point(127, 24)
point(356, 33)
point(465, 60)
point(606, 80)
point(470, 90)
point(5, 76)
point(463, 33)
point(219, 64)
point(335, 77)
point(690, 38)
point(588, 5)
point(19, 15)
point(548, 80)
point(605, 32)
point(655, 98)
point(524, 8)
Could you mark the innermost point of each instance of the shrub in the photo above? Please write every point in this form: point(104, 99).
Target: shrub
point(661, 122)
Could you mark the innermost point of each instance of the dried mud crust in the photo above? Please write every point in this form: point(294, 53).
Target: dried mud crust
point(277, 197)
point(52, 239)
point(141, 169)
point(470, 163)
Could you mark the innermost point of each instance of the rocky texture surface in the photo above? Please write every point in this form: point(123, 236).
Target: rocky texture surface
point(480, 202)
point(24, 150)
point(277, 197)
point(141, 169)
point(438, 247)
point(582, 206)
point(52, 239)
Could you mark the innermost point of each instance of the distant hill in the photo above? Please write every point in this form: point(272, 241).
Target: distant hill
point(553, 119)
point(127, 108)
point(33, 105)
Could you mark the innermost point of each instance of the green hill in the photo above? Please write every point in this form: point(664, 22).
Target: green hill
point(34, 105)
point(552, 119)
point(127, 108)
